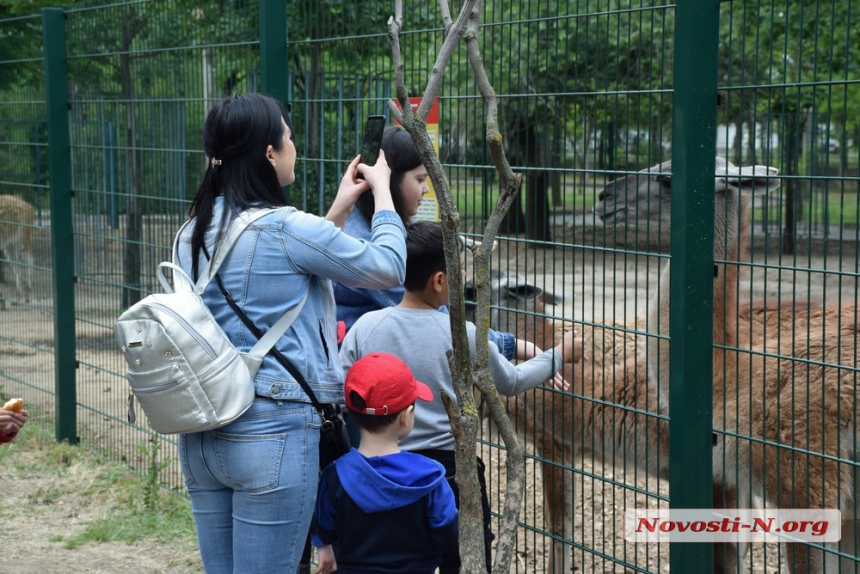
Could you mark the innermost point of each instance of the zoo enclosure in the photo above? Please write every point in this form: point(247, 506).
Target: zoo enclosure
point(588, 93)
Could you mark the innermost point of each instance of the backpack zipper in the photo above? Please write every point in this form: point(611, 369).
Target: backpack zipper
point(155, 389)
point(187, 326)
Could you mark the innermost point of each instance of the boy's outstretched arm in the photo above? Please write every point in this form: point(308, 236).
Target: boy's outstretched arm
point(570, 348)
point(527, 350)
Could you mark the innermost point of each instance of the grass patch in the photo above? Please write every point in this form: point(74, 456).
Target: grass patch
point(123, 525)
point(819, 208)
point(131, 508)
point(470, 196)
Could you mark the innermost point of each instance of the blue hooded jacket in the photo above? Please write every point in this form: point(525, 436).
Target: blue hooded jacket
point(393, 513)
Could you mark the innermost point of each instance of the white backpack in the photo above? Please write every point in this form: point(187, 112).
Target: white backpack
point(182, 367)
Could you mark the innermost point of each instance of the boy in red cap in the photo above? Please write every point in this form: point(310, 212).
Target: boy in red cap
point(387, 510)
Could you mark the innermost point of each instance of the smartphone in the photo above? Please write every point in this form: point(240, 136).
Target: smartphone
point(372, 139)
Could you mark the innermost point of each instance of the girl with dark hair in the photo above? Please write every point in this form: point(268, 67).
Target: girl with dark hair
point(252, 483)
point(408, 185)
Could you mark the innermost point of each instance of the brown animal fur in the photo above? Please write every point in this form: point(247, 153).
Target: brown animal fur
point(784, 374)
point(17, 218)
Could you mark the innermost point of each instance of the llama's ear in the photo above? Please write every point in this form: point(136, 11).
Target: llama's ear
point(749, 180)
point(528, 292)
point(524, 291)
point(665, 181)
point(473, 244)
point(553, 299)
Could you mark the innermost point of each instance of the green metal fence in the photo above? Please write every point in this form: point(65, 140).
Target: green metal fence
point(101, 130)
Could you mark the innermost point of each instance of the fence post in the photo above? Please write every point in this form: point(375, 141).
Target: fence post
point(274, 77)
point(62, 229)
point(274, 72)
point(692, 272)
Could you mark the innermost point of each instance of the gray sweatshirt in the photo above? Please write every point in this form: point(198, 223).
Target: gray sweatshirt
point(421, 338)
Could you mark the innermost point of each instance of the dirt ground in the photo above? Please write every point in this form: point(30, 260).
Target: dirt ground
point(41, 510)
point(596, 283)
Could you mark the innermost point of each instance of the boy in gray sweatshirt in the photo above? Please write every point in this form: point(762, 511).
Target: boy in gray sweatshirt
point(420, 336)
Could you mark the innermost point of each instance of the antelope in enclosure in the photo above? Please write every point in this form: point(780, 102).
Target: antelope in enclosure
point(17, 218)
point(784, 374)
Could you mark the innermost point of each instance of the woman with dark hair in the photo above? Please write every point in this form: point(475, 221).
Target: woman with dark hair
point(252, 483)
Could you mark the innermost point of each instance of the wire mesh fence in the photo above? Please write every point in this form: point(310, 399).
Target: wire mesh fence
point(588, 96)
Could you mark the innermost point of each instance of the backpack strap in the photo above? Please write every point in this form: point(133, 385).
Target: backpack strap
point(241, 222)
point(267, 341)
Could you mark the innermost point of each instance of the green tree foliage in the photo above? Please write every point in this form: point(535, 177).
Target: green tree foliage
point(788, 59)
point(585, 84)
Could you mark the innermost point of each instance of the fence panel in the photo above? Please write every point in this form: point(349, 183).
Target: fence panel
point(27, 343)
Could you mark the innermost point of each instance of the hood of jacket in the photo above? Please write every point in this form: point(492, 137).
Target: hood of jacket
point(384, 482)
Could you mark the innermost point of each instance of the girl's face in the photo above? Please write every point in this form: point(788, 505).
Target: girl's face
point(413, 188)
point(284, 160)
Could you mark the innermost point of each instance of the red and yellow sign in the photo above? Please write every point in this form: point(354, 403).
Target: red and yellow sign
point(429, 209)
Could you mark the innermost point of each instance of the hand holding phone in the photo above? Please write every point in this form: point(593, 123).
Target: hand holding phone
point(372, 140)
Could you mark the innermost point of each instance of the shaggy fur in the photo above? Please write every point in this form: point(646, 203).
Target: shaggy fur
point(784, 374)
point(17, 218)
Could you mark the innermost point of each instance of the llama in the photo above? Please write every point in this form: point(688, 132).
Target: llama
point(622, 421)
point(757, 394)
point(519, 307)
point(17, 218)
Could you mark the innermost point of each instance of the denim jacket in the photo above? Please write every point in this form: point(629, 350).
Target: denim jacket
point(267, 272)
point(353, 302)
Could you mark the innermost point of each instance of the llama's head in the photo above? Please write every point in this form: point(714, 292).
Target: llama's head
point(645, 198)
point(516, 304)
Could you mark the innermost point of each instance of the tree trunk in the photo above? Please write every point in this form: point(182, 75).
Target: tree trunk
point(792, 135)
point(751, 141)
point(514, 221)
point(535, 220)
point(537, 206)
point(738, 142)
point(132, 292)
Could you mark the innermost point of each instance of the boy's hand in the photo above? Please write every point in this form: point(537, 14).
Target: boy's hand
point(558, 382)
point(571, 347)
point(325, 557)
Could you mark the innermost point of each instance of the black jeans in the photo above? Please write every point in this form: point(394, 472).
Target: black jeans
point(451, 562)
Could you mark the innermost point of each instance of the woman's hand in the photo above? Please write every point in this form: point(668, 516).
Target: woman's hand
point(348, 193)
point(377, 175)
point(379, 178)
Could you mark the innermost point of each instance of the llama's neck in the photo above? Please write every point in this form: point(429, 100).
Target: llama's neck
point(731, 244)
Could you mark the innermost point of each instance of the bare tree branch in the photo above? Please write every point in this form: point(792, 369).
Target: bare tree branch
point(463, 413)
point(511, 183)
point(446, 15)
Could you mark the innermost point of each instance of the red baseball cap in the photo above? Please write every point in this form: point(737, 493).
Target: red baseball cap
point(385, 383)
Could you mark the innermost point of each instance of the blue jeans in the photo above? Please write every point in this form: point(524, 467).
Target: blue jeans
point(252, 485)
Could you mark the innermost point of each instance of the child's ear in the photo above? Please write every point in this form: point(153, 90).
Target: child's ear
point(403, 419)
point(439, 280)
